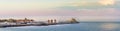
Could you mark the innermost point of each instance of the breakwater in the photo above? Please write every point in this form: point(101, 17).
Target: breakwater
point(30, 22)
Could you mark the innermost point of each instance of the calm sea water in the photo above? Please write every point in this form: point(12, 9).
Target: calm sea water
point(69, 27)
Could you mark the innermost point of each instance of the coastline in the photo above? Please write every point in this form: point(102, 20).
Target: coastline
point(43, 24)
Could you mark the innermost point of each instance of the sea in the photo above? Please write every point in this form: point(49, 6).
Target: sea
point(82, 26)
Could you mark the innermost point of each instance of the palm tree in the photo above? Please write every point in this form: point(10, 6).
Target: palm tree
point(3, 20)
point(11, 20)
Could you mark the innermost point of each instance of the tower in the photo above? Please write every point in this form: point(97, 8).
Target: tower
point(55, 21)
point(52, 21)
point(49, 21)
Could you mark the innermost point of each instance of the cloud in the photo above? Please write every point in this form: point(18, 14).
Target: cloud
point(107, 2)
point(34, 8)
point(42, 4)
point(99, 12)
point(92, 3)
point(80, 3)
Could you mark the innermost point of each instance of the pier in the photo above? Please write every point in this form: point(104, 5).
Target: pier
point(30, 22)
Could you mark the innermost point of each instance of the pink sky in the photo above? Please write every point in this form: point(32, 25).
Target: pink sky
point(59, 12)
point(85, 9)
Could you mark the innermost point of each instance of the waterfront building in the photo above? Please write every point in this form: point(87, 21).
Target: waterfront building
point(3, 20)
point(24, 20)
point(17, 20)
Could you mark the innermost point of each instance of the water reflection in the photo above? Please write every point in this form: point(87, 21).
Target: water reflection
point(69, 27)
point(109, 27)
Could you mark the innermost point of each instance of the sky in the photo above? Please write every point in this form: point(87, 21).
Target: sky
point(82, 9)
